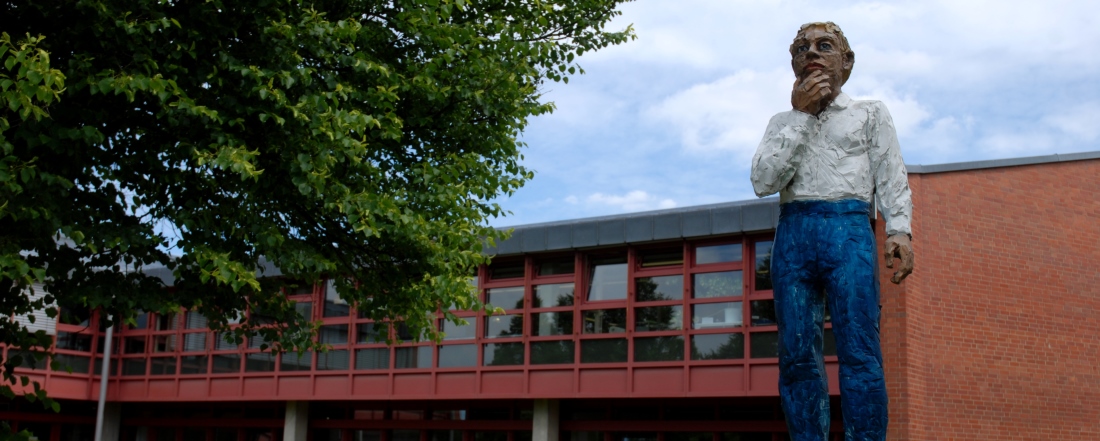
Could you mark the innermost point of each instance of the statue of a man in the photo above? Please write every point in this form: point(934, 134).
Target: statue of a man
point(827, 157)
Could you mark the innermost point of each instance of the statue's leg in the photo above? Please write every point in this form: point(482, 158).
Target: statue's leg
point(799, 307)
point(852, 288)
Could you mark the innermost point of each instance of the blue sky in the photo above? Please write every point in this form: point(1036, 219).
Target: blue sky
point(673, 118)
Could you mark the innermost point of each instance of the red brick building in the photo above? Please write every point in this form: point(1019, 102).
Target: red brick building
point(650, 326)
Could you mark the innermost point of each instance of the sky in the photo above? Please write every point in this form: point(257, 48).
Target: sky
point(673, 118)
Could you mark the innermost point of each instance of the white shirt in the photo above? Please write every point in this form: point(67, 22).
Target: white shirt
point(850, 152)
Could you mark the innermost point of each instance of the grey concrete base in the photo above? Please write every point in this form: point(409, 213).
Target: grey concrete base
point(544, 426)
point(297, 421)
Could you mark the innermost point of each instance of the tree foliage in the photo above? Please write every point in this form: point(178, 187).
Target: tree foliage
point(358, 139)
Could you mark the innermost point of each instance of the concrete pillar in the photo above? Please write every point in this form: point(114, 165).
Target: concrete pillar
point(544, 427)
point(112, 421)
point(297, 421)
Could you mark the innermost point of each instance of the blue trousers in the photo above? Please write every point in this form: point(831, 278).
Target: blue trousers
point(824, 251)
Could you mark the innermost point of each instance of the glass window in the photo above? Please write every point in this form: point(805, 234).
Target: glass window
point(764, 344)
point(552, 323)
point(507, 298)
point(508, 325)
point(829, 343)
point(222, 345)
point(651, 289)
point(164, 343)
point(133, 345)
point(603, 351)
point(608, 280)
point(259, 362)
point(416, 357)
point(718, 254)
point(659, 318)
point(79, 316)
point(195, 320)
point(717, 346)
point(689, 436)
point(552, 352)
point(293, 361)
point(659, 348)
point(333, 334)
point(367, 435)
point(304, 310)
point(445, 435)
point(194, 342)
point(763, 312)
point(76, 363)
point(335, 306)
point(454, 331)
point(226, 363)
point(133, 366)
point(661, 257)
point(763, 265)
point(166, 322)
point(552, 267)
point(457, 356)
point(503, 354)
point(550, 296)
point(162, 365)
point(605, 321)
point(512, 270)
point(372, 332)
point(405, 435)
point(726, 283)
point(716, 315)
point(333, 360)
point(195, 364)
point(74, 342)
point(373, 358)
point(141, 321)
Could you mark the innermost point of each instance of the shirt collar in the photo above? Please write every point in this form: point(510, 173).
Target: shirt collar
point(842, 101)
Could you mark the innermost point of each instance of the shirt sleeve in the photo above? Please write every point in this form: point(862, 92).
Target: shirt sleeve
point(780, 152)
point(891, 181)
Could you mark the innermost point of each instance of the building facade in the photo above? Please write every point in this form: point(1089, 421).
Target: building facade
point(649, 326)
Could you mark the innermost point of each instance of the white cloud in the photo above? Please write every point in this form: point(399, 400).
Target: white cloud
point(1081, 121)
point(571, 200)
point(907, 113)
point(729, 114)
point(636, 200)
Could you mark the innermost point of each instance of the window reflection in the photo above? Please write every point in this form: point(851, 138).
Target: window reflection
point(553, 267)
point(603, 351)
point(552, 352)
point(763, 265)
point(457, 356)
point(659, 318)
point(372, 358)
point(608, 279)
point(727, 283)
point(717, 346)
point(552, 323)
point(651, 289)
point(718, 253)
point(454, 331)
point(659, 348)
point(503, 354)
point(764, 344)
point(716, 315)
point(507, 298)
point(605, 321)
point(763, 312)
point(335, 306)
point(417, 357)
point(550, 296)
point(508, 325)
point(662, 257)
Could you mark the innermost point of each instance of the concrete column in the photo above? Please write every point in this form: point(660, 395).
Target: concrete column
point(297, 421)
point(112, 421)
point(545, 424)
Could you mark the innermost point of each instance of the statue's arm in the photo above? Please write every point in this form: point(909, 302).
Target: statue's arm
point(780, 152)
point(895, 200)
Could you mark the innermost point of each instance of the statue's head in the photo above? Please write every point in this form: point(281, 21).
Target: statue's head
point(822, 46)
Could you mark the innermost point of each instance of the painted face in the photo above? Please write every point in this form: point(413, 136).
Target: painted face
point(816, 49)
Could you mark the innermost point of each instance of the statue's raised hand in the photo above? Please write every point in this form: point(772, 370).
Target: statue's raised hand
point(812, 93)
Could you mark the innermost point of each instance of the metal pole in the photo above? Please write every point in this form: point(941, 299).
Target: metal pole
point(105, 372)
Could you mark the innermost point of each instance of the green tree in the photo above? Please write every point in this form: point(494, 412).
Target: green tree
point(363, 139)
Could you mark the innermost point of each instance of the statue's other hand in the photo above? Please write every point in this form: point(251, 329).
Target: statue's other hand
point(899, 246)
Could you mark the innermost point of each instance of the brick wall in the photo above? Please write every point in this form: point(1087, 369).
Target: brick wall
point(996, 336)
